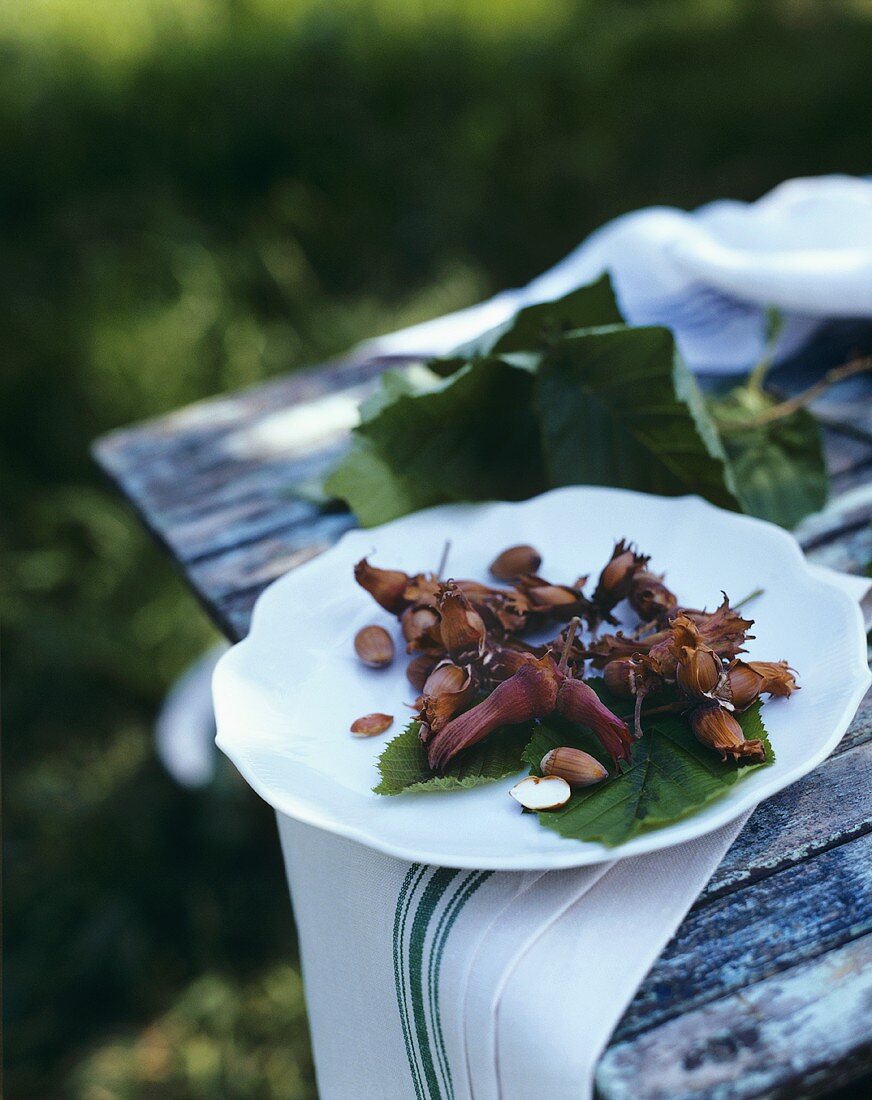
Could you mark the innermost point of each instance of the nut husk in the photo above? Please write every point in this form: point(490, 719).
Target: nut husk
point(748, 680)
point(649, 596)
point(723, 629)
point(556, 601)
point(633, 678)
point(581, 705)
point(420, 627)
point(514, 562)
point(461, 628)
point(537, 689)
point(374, 646)
point(617, 576)
point(577, 767)
point(449, 689)
point(718, 729)
point(530, 693)
point(386, 586)
point(620, 676)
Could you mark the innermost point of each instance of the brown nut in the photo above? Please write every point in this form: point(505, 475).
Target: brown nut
point(374, 646)
point(419, 626)
point(371, 724)
point(514, 562)
point(750, 679)
point(578, 768)
point(419, 668)
point(700, 671)
point(620, 676)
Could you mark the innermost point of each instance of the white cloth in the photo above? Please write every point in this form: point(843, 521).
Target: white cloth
point(184, 731)
point(711, 275)
point(426, 983)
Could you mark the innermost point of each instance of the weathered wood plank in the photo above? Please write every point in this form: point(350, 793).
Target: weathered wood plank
point(803, 1032)
point(798, 914)
point(223, 471)
point(825, 808)
point(256, 564)
point(820, 812)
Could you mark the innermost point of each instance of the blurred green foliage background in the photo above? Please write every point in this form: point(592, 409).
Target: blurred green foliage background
point(198, 194)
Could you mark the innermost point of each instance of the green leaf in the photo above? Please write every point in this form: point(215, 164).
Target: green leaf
point(374, 489)
point(534, 326)
point(473, 436)
point(618, 407)
point(545, 400)
point(671, 776)
point(404, 769)
point(779, 467)
point(398, 382)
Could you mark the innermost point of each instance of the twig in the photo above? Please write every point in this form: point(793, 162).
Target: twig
point(637, 713)
point(443, 561)
point(645, 628)
point(671, 707)
point(751, 596)
point(794, 404)
point(573, 625)
point(774, 325)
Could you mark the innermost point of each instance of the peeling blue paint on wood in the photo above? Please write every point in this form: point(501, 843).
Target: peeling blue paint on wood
point(821, 811)
point(800, 913)
point(799, 1033)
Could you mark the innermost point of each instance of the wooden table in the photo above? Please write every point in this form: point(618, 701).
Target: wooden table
point(766, 988)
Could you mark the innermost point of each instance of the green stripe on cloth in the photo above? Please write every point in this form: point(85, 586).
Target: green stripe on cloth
point(422, 1024)
point(449, 915)
point(410, 884)
point(439, 882)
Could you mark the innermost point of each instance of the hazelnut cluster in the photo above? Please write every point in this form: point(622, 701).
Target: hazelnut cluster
point(475, 671)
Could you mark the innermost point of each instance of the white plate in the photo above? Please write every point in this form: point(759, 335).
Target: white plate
point(286, 695)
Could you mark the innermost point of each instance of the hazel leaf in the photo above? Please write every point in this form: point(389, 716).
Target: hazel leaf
point(779, 467)
point(396, 382)
point(534, 326)
point(553, 405)
point(404, 769)
point(618, 407)
point(373, 487)
point(473, 436)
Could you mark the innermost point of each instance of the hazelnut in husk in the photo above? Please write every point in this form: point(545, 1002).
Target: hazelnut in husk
point(718, 729)
point(699, 672)
point(748, 680)
point(650, 598)
point(515, 562)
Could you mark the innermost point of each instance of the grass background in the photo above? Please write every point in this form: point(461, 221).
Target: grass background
point(198, 194)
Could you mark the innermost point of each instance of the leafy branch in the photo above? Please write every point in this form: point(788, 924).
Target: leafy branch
point(565, 393)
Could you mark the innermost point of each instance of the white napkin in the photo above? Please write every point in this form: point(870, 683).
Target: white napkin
point(805, 248)
point(437, 984)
